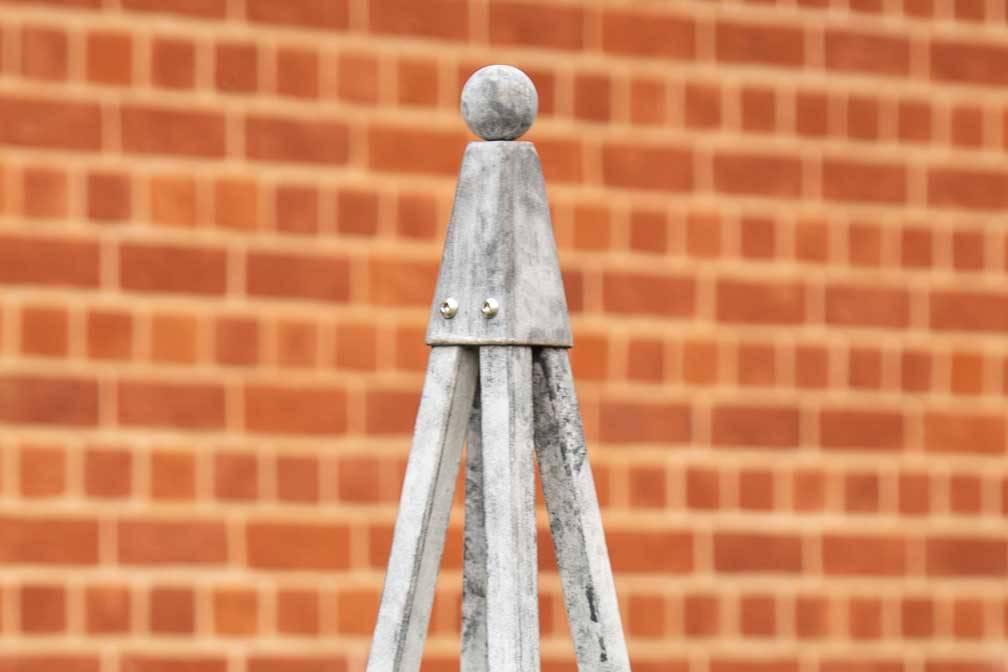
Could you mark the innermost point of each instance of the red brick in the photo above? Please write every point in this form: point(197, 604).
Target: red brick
point(701, 615)
point(947, 432)
point(702, 105)
point(48, 401)
point(236, 204)
point(164, 269)
point(286, 139)
point(295, 410)
point(416, 216)
point(333, 663)
point(313, 278)
point(326, 14)
point(43, 53)
point(811, 114)
point(755, 427)
point(236, 476)
point(173, 63)
point(966, 556)
point(811, 617)
point(648, 294)
point(297, 73)
point(402, 150)
point(43, 609)
point(108, 196)
point(757, 237)
point(359, 479)
point(297, 209)
point(172, 611)
point(968, 619)
point(297, 546)
point(974, 189)
point(172, 476)
point(966, 126)
point(913, 121)
point(863, 555)
point(753, 665)
point(438, 19)
point(968, 250)
point(862, 118)
point(158, 130)
point(757, 616)
point(192, 406)
point(107, 473)
point(418, 82)
point(236, 341)
point(650, 167)
point(49, 540)
point(808, 491)
point(648, 101)
point(668, 552)
point(535, 25)
point(965, 493)
point(183, 663)
point(645, 360)
point(23, 662)
point(967, 373)
point(861, 429)
point(759, 109)
point(297, 479)
point(861, 492)
point(752, 303)
point(968, 63)
point(44, 331)
point(856, 181)
point(357, 212)
point(917, 618)
point(174, 338)
point(953, 310)
point(109, 334)
point(592, 96)
point(106, 610)
point(358, 78)
point(756, 490)
point(44, 193)
point(914, 494)
point(767, 44)
point(297, 613)
point(757, 553)
point(644, 422)
point(109, 58)
point(638, 32)
point(758, 175)
point(236, 612)
point(864, 618)
point(168, 542)
point(390, 411)
point(50, 123)
point(869, 53)
point(867, 306)
point(236, 67)
point(42, 471)
point(208, 9)
point(703, 490)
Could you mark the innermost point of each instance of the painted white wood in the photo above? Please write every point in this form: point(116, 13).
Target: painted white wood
point(509, 508)
point(474, 568)
point(575, 519)
point(500, 246)
point(424, 509)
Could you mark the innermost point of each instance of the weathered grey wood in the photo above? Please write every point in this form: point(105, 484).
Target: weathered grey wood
point(509, 508)
point(474, 554)
point(575, 520)
point(424, 509)
point(500, 246)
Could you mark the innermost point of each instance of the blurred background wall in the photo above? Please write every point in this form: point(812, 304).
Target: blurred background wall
point(782, 231)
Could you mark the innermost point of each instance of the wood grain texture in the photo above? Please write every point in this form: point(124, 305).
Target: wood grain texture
point(424, 509)
point(575, 520)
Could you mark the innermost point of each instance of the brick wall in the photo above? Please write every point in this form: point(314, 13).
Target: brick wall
point(781, 227)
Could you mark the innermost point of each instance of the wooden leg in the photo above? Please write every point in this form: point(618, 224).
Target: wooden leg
point(575, 521)
point(509, 508)
point(424, 509)
point(474, 570)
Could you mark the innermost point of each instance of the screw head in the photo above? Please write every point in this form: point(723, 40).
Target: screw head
point(449, 307)
point(490, 308)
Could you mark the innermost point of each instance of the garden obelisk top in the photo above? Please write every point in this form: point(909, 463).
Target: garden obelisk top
point(499, 371)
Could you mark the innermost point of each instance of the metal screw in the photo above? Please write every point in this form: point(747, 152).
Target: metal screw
point(448, 308)
point(490, 308)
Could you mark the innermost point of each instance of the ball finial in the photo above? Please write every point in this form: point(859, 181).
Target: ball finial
point(499, 102)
